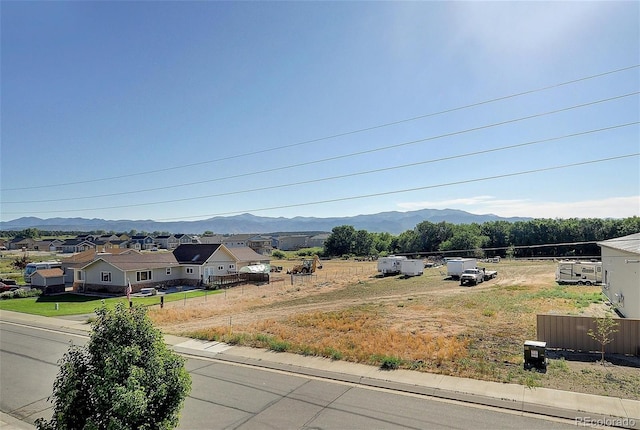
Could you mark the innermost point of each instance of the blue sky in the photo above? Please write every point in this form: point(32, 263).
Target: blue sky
point(188, 110)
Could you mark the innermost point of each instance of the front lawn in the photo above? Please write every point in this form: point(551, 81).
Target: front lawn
point(75, 304)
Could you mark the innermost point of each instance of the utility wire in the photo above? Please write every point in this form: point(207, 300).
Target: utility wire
point(348, 133)
point(506, 175)
point(418, 163)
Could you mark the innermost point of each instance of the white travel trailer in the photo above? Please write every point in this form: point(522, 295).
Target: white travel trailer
point(390, 265)
point(579, 272)
point(412, 267)
point(31, 268)
point(455, 267)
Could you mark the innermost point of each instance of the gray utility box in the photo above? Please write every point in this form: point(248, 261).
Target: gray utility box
point(535, 355)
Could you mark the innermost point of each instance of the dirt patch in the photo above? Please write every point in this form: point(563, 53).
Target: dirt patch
point(427, 323)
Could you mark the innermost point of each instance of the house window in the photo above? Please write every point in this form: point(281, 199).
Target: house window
point(220, 267)
point(143, 276)
point(232, 266)
point(105, 276)
point(190, 270)
point(168, 272)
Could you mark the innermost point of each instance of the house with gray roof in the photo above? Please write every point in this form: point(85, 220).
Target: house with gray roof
point(621, 266)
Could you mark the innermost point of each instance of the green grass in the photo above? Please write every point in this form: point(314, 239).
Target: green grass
point(74, 304)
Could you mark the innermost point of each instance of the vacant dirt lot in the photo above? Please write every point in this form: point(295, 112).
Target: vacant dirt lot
point(427, 323)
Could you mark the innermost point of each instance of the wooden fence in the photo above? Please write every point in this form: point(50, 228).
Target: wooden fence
point(570, 332)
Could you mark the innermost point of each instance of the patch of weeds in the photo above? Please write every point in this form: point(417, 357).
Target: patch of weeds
point(417, 365)
point(263, 338)
point(333, 354)
point(488, 312)
point(279, 345)
point(532, 380)
point(306, 350)
point(559, 365)
point(387, 362)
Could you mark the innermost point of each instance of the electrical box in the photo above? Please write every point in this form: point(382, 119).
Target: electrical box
point(535, 355)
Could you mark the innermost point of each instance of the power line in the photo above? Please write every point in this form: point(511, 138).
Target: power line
point(306, 142)
point(351, 197)
point(470, 154)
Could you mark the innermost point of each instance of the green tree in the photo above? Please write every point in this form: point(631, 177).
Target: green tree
point(31, 233)
point(603, 334)
point(124, 378)
point(340, 241)
point(362, 243)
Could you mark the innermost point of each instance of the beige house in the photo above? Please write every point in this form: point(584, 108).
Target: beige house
point(190, 264)
point(621, 266)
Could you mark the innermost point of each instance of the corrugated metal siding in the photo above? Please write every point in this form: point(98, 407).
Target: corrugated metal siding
point(570, 332)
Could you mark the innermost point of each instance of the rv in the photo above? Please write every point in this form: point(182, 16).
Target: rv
point(390, 265)
point(33, 267)
point(456, 266)
point(412, 267)
point(579, 272)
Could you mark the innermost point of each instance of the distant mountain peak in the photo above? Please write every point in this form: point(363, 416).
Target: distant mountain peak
point(393, 222)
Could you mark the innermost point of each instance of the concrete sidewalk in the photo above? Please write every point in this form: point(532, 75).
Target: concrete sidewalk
point(587, 409)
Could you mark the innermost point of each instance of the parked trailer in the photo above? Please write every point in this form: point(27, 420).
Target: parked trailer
point(455, 267)
point(390, 265)
point(411, 267)
point(579, 272)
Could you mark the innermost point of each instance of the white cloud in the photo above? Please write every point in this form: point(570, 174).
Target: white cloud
point(613, 207)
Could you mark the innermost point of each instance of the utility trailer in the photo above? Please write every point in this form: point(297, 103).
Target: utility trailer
point(579, 272)
point(456, 267)
point(411, 267)
point(390, 265)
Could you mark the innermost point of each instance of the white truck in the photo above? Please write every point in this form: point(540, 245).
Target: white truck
point(579, 272)
point(455, 267)
point(476, 276)
point(390, 265)
point(472, 277)
point(411, 267)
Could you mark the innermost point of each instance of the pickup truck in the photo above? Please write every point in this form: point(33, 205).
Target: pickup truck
point(472, 277)
point(476, 276)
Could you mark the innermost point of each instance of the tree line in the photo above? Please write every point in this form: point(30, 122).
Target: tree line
point(572, 237)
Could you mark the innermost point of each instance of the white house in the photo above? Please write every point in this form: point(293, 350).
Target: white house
point(202, 261)
point(621, 266)
point(113, 272)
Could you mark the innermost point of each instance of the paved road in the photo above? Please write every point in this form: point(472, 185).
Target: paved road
point(233, 396)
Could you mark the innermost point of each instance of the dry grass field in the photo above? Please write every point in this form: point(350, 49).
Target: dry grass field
point(345, 311)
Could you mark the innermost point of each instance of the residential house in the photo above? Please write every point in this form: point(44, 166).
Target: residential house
point(167, 241)
point(77, 245)
point(621, 266)
point(48, 245)
point(108, 237)
point(245, 256)
point(318, 240)
point(141, 241)
point(212, 238)
point(260, 244)
point(50, 281)
point(111, 273)
point(293, 242)
point(185, 239)
point(201, 262)
point(25, 243)
point(80, 259)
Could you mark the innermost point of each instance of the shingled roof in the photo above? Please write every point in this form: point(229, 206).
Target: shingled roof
point(195, 253)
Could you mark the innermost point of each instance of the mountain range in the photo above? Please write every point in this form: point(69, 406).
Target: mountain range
point(390, 222)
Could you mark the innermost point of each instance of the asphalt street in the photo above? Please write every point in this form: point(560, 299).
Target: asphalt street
point(229, 395)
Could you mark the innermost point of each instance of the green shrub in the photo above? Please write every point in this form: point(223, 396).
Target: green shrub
point(20, 294)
